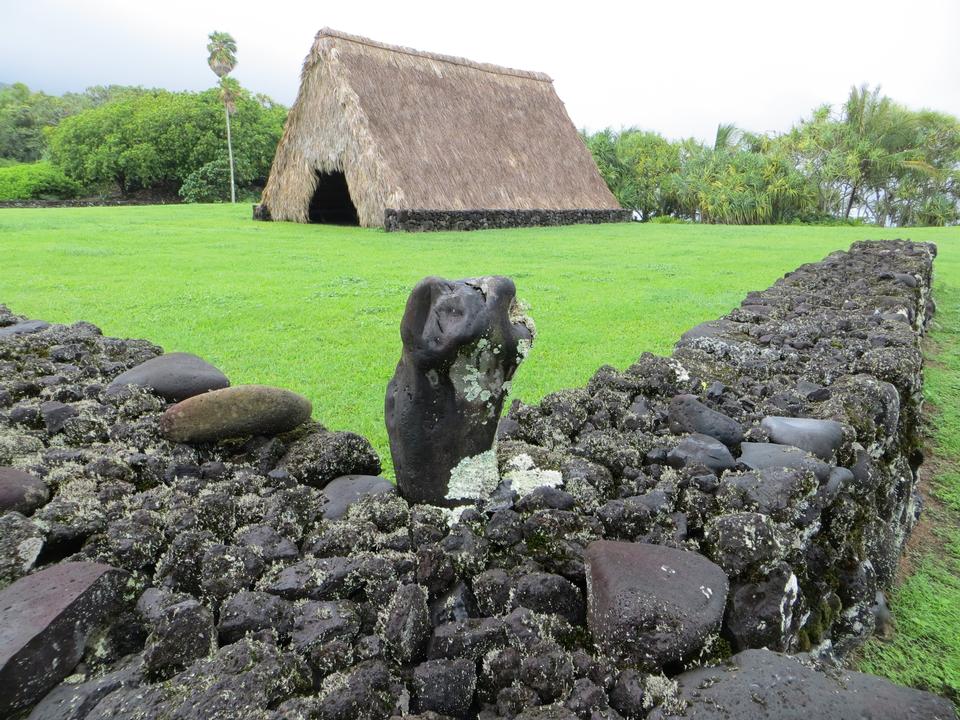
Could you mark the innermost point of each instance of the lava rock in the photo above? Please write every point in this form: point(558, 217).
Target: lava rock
point(744, 543)
point(759, 684)
point(317, 579)
point(182, 631)
point(760, 614)
point(344, 491)
point(688, 415)
point(322, 456)
point(21, 541)
point(239, 681)
point(267, 543)
point(462, 343)
point(627, 696)
point(549, 593)
point(317, 623)
point(45, 619)
point(651, 604)
point(173, 376)
point(56, 414)
point(234, 412)
point(405, 625)
point(251, 611)
point(472, 638)
point(366, 691)
point(819, 437)
point(697, 449)
point(20, 491)
point(74, 701)
point(444, 686)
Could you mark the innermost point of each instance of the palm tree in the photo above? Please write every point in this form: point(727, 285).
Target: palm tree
point(223, 59)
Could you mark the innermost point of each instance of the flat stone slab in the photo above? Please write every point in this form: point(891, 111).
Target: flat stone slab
point(24, 328)
point(819, 437)
point(173, 376)
point(235, 412)
point(45, 619)
point(345, 490)
point(699, 449)
point(761, 456)
point(764, 685)
point(650, 604)
point(21, 491)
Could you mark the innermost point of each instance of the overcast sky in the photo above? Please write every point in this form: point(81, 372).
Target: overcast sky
point(677, 67)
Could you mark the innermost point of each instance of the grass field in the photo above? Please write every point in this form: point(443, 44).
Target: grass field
point(317, 309)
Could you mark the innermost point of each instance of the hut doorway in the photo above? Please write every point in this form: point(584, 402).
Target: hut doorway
point(331, 201)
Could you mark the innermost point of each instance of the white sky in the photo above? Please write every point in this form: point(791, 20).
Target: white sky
point(677, 67)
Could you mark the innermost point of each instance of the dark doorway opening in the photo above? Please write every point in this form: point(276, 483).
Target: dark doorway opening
point(331, 201)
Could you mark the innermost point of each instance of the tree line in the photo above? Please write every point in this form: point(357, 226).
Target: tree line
point(870, 160)
point(128, 140)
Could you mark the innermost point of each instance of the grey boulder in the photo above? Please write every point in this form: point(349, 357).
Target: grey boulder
point(760, 456)
point(819, 437)
point(173, 376)
point(649, 604)
point(699, 449)
point(760, 684)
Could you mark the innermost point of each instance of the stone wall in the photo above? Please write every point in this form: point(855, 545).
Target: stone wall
point(424, 220)
point(664, 517)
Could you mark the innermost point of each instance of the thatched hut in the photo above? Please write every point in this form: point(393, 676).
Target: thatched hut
point(385, 136)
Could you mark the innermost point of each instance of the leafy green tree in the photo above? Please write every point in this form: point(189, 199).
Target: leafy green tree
point(222, 60)
point(156, 139)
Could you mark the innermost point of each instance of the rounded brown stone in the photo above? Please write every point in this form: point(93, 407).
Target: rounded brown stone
point(235, 412)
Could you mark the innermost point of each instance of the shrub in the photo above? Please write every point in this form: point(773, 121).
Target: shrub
point(208, 183)
point(35, 181)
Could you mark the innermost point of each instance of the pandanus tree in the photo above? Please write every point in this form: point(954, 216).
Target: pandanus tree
point(222, 60)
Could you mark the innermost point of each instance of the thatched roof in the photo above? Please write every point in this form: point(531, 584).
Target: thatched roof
point(415, 130)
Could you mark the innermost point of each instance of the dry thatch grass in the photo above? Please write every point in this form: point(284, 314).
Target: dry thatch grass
point(415, 130)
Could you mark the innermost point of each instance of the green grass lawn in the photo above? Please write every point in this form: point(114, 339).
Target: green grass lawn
point(317, 309)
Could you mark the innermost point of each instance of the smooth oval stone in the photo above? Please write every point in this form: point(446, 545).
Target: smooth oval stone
point(173, 376)
point(344, 491)
point(820, 437)
point(235, 412)
point(21, 491)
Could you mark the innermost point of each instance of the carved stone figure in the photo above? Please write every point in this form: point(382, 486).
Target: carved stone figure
point(462, 343)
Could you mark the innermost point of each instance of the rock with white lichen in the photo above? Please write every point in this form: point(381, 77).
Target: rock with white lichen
point(652, 605)
point(462, 343)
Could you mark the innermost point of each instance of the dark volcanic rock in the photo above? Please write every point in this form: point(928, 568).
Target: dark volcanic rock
point(45, 620)
point(238, 682)
point(366, 691)
point(74, 701)
point(181, 631)
point(316, 579)
point(549, 593)
point(250, 612)
point(235, 412)
point(321, 456)
point(472, 638)
point(759, 684)
point(405, 624)
point(342, 492)
point(689, 415)
point(650, 604)
point(819, 437)
point(462, 343)
point(21, 491)
point(703, 450)
point(173, 376)
point(760, 614)
point(444, 686)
